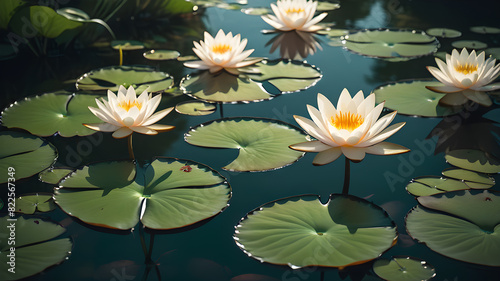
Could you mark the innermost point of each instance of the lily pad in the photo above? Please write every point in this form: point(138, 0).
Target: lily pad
point(127, 45)
point(52, 113)
point(474, 160)
point(327, 6)
point(469, 44)
point(425, 186)
point(26, 154)
point(195, 108)
point(161, 55)
point(444, 32)
point(55, 175)
point(467, 175)
point(285, 75)
point(34, 249)
point(485, 29)
point(166, 194)
point(399, 45)
point(110, 78)
point(263, 143)
point(412, 98)
point(8, 8)
point(401, 268)
point(257, 11)
point(31, 203)
point(462, 225)
point(300, 231)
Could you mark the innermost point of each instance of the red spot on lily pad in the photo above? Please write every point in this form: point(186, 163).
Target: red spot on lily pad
point(186, 168)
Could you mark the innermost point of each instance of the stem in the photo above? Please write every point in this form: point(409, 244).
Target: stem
point(143, 241)
point(347, 176)
point(130, 148)
point(322, 275)
point(150, 252)
point(121, 56)
point(221, 111)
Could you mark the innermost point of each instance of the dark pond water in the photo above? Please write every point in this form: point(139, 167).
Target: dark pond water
point(207, 251)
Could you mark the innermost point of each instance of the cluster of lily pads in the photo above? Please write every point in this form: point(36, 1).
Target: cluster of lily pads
point(169, 193)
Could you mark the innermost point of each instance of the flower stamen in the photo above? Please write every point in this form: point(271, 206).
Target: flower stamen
point(221, 48)
point(294, 10)
point(127, 105)
point(466, 68)
point(347, 121)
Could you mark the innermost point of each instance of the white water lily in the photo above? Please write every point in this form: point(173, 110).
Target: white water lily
point(294, 15)
point(465, 76)
point(351, 129)
point(222, 52)
point(126, 113)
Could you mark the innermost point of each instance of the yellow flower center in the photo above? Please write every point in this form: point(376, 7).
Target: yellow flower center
point(347, 121)
point(127, 105)
point(294, 10)
point(466, 68)
point(221, 48)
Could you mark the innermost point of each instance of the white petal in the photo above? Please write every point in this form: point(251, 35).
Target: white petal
point(389, 131)
point(161, 128)
point(312, 129)
point(444, 89)
point(344, 100)
point(353, 153)
point(380, 125)
point(386, 148)
point(327, 156)
point(122, 132)
point(144, 130)
point(103, 127)
point(453, 99)
point(310, 146)
point(157, 116)
point(478, 97)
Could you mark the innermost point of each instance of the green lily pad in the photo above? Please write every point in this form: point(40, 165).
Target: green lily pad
point(195, 108)
point(398, 45)
point(401, 268)
point(263, 143)
point(465, 225)
point(52, 113)
point(31, 203)
point(300, 231)
point(127, 45)
point(8, 8)
point(327, 6)
point(161, 55)
point(257, 11)
point(169, 193)
point(110, 78)
point(55, 175)
point(425, 186)
point(412, 98)
point(287, 76)
point(23, 155)
point(334, 33)
point(444, 32)
point(469, 44)
point(485, 29)
point(467, 175)
point(34, 249)
point(474, 160)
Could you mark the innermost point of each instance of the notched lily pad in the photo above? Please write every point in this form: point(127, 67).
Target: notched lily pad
point(410, 97)
point(469, 44)
point(290, 232)
point(485, 29)
point(35, 248)
point(127, 45)
point(395, 45)
point(161, 55)
point(474, 160)
point(23, 155)
point(38, 202)
point(425, 186)
point(403, 268)
point(462, 225)
point(52, 113)
point(262, 143)
point(195, 108)
point(166, 194)
point(469, 176)
point(54, 175)
point(111, 78)
point(444, 32)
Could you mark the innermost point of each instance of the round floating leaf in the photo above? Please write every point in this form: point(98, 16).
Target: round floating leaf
point(169, 193)
point(469, 44)
point(392, 44)
point(263, 143)
point(425, 186)
point(474, 160)
point(401, 268)
point(25, 153)
point(30, 203)
point(334, 32)
point(327, 6)
point(110, 78)
point(485, 29)
point(300, 232)
point(52, 113)
point(466, 175)
point(256, 11)
point(55, 175)
point(444, 32)
point(457, 238)
point(161, 55)
point(127, 45)
point(33, 251)
point(195, 108)
point(412, 98)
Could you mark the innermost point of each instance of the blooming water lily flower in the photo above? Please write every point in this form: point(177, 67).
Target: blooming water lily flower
point(351, 129)
point(126, 113)
point(294, 15)
point(222, 52)
point(465, 77)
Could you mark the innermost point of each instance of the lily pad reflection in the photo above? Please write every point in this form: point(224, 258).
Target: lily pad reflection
point(35, 249)
point(300, 231)
point(462, 225)
point(262, 143)
point(168, 193)
point(110, 78)
point(401, 268)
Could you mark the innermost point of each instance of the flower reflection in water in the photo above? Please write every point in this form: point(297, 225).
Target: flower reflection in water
point(294, 44)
